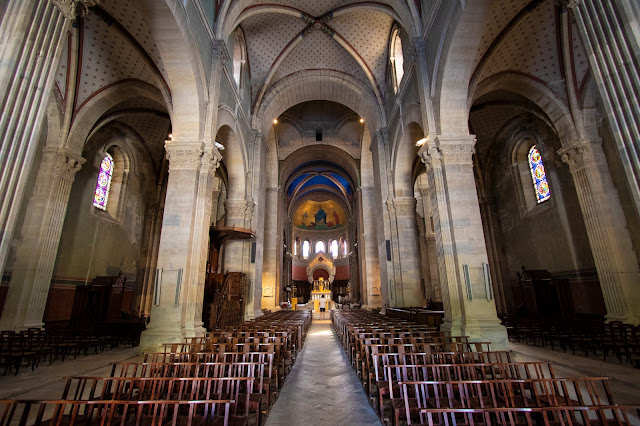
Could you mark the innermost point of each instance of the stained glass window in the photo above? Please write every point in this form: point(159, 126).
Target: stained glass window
point(320, 247)
point(539, 176)
point(305, 250)
point(101, 194)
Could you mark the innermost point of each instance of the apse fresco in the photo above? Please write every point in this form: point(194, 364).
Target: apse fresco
point(319, 215)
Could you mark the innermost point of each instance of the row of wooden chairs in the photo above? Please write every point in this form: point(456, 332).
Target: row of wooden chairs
point(592, 337)
point(181, 387)
point(463, 383)
point(30, 347)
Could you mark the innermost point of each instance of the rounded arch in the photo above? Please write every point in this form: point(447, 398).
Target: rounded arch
point(233, 159)
point(183, 63)
point(454, 69)
point(396, 57)
point(319, 153)
point(239, 55)
point(325, 85)
point(555, 109)
point(87, 117)
point(405, 152)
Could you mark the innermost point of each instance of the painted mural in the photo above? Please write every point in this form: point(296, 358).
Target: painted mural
point(319, 215)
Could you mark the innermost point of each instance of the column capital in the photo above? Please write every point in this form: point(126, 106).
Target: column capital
point(219, 50)
point(404, 206)
point(235, 209)
point(456, 149)
point(580, 154)
point(72, 8)
point(570, 3)
point(184, 155)
point(67, 164)
point(211, 159)
point(418, 47)
point(430, 155)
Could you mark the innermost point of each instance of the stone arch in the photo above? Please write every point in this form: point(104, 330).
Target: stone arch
point(555, 109)
point(324, 153)
point(182, 61)
point(454, 69)
point(86, 118)
point(313, 85)
point(233, 159)
point(405, 152)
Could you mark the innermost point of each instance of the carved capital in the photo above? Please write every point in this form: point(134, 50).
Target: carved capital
point(235, 209)
point(184, 155)
point(210, 161)
point(580, 155)
point(419, 50)
point(219, 50)
point(404, 206)
point(569, 3)
point(430, 156)
point(72, 8)
point(67, 165)
point(456, 150)
point(248, 213)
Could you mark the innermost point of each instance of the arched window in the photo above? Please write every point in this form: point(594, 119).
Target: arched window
point(306, 246)
point(320, 247)
point(397, 59)
point(334, 249)
point(239, 55)
point(101, 193)
point(343, 244)
point(540, 184)
point(112, 181)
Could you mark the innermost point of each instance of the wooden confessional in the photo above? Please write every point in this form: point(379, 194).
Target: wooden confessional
point(224, 294)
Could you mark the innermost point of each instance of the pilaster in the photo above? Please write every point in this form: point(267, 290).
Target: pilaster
point(406, 257)
point(36, 255)
point(607, 32)
point(31, 37)
point(606, 229)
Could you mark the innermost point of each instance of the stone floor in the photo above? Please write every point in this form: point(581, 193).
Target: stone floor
point(322, 388)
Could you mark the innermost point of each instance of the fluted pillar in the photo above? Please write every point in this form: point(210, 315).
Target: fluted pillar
point(36, 254)
point(609, 32)
point(31, 37)
point(468, 300)
point(181, 267)
point(606, 228)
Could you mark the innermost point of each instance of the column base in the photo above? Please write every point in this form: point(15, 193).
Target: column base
point(154, 337)
point(488, 330)
point(453, 326)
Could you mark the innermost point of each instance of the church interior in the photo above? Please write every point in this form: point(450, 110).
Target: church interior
point(460, 176)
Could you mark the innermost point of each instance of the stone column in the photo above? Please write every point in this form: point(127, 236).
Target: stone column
point(182, 253)
point(197, 266)
point(406, 256)
point(607, 30)
point(460, 244)
point(606, 228)
point(36, 255)
point(31, 37)
point(271, 285)
point(234, 251)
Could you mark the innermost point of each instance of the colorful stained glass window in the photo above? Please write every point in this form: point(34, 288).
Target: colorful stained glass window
point(101, 194)
point(539, 176)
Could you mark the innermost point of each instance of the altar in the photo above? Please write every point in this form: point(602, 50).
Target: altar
point(320, 288)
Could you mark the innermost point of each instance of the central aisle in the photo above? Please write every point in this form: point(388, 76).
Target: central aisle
point(322, 388)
